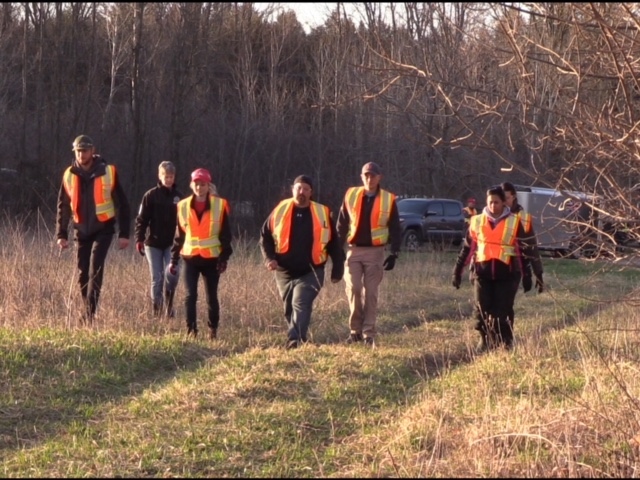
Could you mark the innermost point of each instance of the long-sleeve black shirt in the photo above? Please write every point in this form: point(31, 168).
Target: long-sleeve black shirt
point(157, 216)
point(297, 261)
point(89, 223)
point(362, 237)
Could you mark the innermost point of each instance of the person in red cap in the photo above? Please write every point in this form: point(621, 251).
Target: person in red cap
point(91, 195)
point(203, 240)
point(367, 222)
point(470, 210)
point(296, 240)
point(155, 228)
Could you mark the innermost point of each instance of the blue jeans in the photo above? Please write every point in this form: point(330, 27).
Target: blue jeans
point(298, 295)
point(158, 260)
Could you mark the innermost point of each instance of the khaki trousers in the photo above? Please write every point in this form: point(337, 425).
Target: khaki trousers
point(363, 275)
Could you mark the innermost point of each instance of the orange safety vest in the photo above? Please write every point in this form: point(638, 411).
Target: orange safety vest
point(471, 212)
point(280, 226)
point(379, 215)
point(497, 243)
point(102, 188)
point(202, 236)
point(525, 219)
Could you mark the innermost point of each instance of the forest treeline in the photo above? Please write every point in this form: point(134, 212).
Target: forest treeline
point(449, 98)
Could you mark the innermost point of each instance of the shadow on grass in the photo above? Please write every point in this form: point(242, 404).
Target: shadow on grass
point(46, 387)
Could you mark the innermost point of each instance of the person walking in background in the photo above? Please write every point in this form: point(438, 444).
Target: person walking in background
point(203, 240)
point(368, 220)
point(493, 239)
point(91, 195)
point(155, 228)
point(296, 240)
point(470, 210)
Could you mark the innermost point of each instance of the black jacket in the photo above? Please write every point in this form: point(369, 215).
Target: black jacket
point(526, 248)
point(157, 216)
point(89, 223)
point(297, 261)
point(224, 236)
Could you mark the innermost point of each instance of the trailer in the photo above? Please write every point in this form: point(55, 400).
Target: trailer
point(564, 223)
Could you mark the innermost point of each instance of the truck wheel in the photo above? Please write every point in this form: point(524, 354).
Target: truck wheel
point(411, 240)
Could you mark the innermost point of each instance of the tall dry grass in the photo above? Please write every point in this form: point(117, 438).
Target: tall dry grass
point(131, 396)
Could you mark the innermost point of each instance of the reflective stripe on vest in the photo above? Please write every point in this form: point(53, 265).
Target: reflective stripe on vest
point(280, 226)
point(102, 188)
point(379, 214)
point(202, 236)
point(494, 243)
point(525, 219)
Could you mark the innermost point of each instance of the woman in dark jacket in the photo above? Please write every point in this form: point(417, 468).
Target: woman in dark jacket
point(495, 241)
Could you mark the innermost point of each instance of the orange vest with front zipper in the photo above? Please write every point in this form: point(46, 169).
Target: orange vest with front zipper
point(102, 188)
point(202, 236)
point(379, 214)
point(498, 243)
point(281, 229)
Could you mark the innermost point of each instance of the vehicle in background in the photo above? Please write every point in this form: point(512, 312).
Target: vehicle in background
point(437, 221)
point(566, 224)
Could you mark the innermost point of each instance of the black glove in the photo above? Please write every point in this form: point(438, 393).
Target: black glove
point(222, 266)
point(539, 283)
point(337, 271)
point(527, 283)
point(456, 279)
point(390, 262)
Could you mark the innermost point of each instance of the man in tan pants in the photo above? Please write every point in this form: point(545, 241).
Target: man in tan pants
point(368, 220)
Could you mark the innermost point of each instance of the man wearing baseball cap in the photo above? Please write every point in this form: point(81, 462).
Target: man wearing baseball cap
point(368, 221)
point(91, 195)
point(203, 240)
point(296, 240)
point(470, 210)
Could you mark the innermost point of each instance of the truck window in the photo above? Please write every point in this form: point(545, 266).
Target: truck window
point(452, 209)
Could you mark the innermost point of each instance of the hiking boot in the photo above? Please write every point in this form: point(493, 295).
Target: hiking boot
point(157, 310)
point(291, 344)
point(192, 332)
point(370, 342)
point(354, 338)
point(213, 333)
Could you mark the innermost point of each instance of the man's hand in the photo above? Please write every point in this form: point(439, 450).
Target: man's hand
point(123, 243)
point(62, 243)
point(527, 283)
point(456, 279)
point(222, 266)
point(140, 248)
point(390, 262)
point(337, 272)
point(272, 265)
point(539, 284)
point(172, 269)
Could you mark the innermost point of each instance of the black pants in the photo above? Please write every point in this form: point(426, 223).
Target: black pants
point(298, 295)
point(494, 303)
point(209, 272)
point(92, 253)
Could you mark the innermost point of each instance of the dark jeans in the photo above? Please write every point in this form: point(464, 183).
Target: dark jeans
point(92, 253)
point(298, 295)
point(494, 303)
point(209, 272)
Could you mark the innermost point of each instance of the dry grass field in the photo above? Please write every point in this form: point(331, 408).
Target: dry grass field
point(132, 396)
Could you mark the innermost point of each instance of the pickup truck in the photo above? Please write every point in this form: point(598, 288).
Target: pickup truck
point(438, 221)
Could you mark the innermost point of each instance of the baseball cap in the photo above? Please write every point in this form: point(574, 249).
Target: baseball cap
point(304, 179)
point(471, 200)
point(201, 174)
point(372, 167)
point(81, 142)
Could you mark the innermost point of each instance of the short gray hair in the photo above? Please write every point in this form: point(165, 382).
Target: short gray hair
point(167, 166)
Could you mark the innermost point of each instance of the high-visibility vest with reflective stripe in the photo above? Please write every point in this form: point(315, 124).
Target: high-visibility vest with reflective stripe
point(379, 214)
point(202, 236)
point(525, 219)
point(102, 188)
point(498, 243)
point(280, 225)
